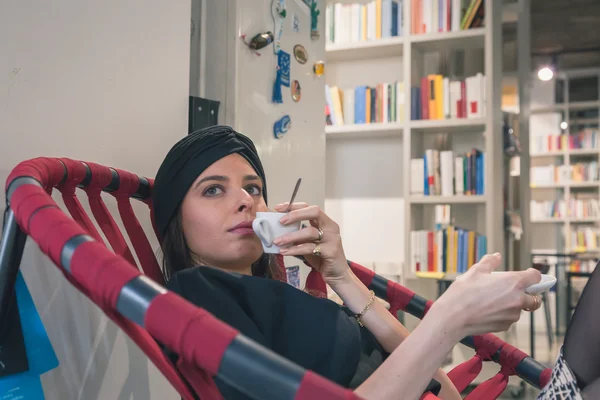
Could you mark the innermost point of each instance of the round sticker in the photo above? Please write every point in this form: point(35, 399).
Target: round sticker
point(319, 68)
point(296, 91)
point(300, 54)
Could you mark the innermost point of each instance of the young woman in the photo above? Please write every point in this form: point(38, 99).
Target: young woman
point(206, 195)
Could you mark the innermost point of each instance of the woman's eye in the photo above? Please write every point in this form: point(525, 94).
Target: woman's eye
point(253, 190)
point(212, 191)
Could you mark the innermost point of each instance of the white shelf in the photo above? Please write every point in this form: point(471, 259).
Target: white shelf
point(584, 152)
point(565, 220)
point(549, 154)
point(467, 39)
point(591, 184)
point(572, 152)
point(358, 131)
point(387, 47)
point(584, 184)
point(448, 125)
point(403, 59)
point(448, 199)
point(580, 105)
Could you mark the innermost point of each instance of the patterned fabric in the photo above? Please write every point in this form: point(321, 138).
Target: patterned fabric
point(563, 384)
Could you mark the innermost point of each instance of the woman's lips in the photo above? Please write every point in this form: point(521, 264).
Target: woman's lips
point(243, 228)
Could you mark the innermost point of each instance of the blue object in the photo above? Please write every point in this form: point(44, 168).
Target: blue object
point(283, 75)
point(293, 276)
point(282, 126)
point(40, 354)
point(277, 97)
point(23, 386)
point(283, 67)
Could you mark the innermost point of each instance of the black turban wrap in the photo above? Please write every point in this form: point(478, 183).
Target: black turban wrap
point(188, 158)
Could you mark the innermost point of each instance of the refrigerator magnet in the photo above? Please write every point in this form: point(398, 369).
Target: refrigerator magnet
point(319, 68)
point(259, 41)
point(282, 76)
point(283, 66)
point(314, 14)
point(282, 126)
point(300, 54)
point(296, 91)
point(279, 13)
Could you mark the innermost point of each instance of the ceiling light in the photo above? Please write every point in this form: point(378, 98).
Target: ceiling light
point(545, 74)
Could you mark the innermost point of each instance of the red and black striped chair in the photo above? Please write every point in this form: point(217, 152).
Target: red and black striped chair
point(149, 314)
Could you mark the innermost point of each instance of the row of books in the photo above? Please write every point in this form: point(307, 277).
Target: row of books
point(586, 139)
point(584, 238)
point(439, 97)
point(583, 265)
point(443, 173)
point(558, 174)
point(428, 16)
point(381, 103)
point(359, 22)
point(450, 249)
point(586, 206)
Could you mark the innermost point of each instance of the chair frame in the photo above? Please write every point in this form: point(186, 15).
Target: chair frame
point(140, 304)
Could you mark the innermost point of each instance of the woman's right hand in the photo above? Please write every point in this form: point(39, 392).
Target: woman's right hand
point(481, 302)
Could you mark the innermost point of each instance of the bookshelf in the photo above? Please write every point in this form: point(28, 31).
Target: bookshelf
point(368, 165)
point(565, 160)
point(369, 161)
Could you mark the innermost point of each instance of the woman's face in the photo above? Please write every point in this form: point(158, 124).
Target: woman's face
point(217, 214)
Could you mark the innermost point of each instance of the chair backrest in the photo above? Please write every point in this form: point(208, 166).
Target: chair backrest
point(150, 315)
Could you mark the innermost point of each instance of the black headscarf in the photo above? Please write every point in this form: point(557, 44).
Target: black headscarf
point(188, 158)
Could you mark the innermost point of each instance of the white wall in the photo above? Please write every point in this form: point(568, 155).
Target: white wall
point(104, 81)
point(243, 82)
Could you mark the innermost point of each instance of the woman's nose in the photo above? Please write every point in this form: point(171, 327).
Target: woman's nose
point(246, 201)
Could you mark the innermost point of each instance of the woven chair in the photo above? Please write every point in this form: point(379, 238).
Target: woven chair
point(134, 296)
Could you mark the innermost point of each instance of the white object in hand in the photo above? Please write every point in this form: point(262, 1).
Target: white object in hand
point(268, 228)
point(544, 284)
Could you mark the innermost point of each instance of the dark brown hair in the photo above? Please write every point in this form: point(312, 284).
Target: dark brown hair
point(177, 255)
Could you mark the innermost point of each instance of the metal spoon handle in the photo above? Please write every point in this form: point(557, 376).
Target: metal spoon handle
point(294, 194)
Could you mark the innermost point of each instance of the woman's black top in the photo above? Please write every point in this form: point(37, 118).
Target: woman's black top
point(315, 333)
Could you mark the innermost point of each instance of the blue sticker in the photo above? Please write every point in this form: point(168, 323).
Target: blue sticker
point(293, 276)
point(283, 67)
point(40, 354)
point(295, 23)
point(282, 126)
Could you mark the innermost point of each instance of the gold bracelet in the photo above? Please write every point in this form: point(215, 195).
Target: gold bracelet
point(369, 304)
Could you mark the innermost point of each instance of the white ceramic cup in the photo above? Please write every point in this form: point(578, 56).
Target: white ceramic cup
point(268, 228)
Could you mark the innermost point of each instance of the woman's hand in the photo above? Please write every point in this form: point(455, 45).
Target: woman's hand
point(331, 262)
point(483, 302)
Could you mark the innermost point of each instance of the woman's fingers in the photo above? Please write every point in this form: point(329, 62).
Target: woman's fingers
point(284, 206)
point(303, 249)
point(531, 302)
point(489, 262)
point(529, 277)
point(308, 234)
point(310, 213)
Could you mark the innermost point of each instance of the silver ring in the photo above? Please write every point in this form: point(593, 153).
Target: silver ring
point(320, 234)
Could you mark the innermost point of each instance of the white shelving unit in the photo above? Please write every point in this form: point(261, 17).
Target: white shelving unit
point(369, 165)
point(372, 161)
point(552, 112)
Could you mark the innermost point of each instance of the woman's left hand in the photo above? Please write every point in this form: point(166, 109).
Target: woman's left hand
point(320, 243)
